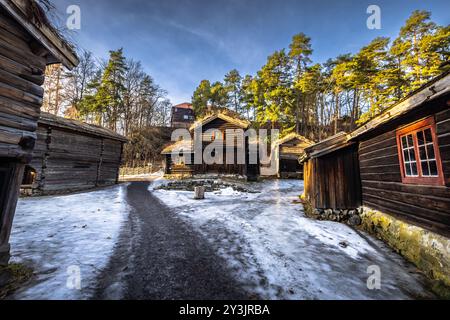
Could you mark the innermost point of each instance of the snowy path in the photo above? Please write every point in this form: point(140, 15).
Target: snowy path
point(159, 257)
point(278, 253)
point(59, 236)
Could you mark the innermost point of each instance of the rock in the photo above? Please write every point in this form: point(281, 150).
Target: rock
point(344, 244)
point(328, 213)
point(355, 220)
point(317, 212)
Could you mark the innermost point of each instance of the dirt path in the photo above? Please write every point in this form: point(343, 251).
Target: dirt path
point(160, 257)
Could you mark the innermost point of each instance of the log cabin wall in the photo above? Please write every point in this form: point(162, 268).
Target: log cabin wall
point(28, 43)
point(332, 181)
point(382, 188)
point(21, 94)
point(67, 160)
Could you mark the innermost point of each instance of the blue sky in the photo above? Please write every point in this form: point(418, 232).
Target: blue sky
point(181, 42)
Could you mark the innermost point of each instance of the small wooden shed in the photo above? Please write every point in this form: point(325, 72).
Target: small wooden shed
point(331, 174)
point(287, 153)
point(71, 156)
point(28, 44)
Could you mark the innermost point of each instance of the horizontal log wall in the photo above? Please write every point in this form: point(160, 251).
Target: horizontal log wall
point(21, 77)
point(66, 160)
point(382, 187)
point(22, 66)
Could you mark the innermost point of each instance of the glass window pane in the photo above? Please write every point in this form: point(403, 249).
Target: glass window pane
point(420, 138)
point(423, 154)
point(410, 140)
point(406, 155)
point(433, 168)
point(430, 150)
point(408, 170)
point(404, 145)
point(425, 169)
point(412, 155)
point(428, 136)
point(414, 171)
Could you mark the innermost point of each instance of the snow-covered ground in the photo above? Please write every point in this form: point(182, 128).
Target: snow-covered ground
point(61, 236)
point(279, 253)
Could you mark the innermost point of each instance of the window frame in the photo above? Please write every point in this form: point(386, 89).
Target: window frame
point(413, 129)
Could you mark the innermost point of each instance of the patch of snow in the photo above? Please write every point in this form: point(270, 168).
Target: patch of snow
point(227, 192)
point(279, 253)
point(58, 235)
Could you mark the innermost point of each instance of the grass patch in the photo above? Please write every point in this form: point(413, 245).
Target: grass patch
point(13, 277)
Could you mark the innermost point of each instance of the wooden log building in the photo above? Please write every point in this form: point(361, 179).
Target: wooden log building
point(287, 153)
point(28, 44)
point(71, 156)
point(213, 128)
point(398, 163)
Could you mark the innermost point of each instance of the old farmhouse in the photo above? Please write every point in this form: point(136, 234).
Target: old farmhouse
point(397, 167)
point(27, 44)
point(212, 128)
point(70, 156)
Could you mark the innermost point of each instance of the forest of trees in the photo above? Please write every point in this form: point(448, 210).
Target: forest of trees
point(116, 94)
point(294, 94)
point(290, 92)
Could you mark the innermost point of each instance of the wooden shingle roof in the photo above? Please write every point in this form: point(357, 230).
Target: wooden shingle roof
point(78, 126)
point(183, 145)
point(32, 18)
point(244, 124)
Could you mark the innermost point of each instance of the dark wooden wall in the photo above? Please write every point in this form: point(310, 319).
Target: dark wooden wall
point(224, 168)
point(21, 77)
point(66, 160)
point(332, 181)
point(426, 206)
point(251, 171)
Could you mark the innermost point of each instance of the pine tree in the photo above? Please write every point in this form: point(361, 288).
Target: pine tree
point(233, 86)
point(201, 98)
point(110, 92)
point(300, 53)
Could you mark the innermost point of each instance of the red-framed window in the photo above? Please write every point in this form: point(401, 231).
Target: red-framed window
point(418, 152)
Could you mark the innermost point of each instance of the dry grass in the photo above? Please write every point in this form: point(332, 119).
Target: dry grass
point(12, 278)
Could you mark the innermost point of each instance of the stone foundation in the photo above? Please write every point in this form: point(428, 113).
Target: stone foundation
point(347, 216)
point(430, 252)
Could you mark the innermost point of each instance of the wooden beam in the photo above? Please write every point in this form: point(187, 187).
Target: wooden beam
point(58, 48)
